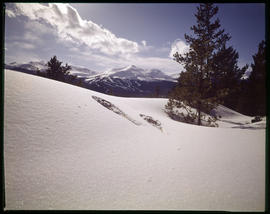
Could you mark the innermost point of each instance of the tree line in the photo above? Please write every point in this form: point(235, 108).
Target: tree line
point(60, 72)
point(212, 76)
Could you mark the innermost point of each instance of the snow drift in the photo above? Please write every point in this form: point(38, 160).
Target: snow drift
point(64, 150)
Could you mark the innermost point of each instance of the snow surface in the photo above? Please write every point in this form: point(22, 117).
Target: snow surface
point(63, 150)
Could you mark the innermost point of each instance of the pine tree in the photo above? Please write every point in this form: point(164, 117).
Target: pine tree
point(157, 91)
point(195, 83)
point(38, 72)
point(257, 82)
point(227, 76)
point(243, 105)
point(56, 70)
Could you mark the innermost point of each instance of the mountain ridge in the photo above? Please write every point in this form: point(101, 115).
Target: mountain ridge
point(124, 81)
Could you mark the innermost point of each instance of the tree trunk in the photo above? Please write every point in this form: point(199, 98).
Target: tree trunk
point(199, 117)
point(199, 113)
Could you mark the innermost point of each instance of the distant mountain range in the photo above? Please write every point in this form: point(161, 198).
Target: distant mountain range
point(132, 81)
point(41, 65)
point(129, 81)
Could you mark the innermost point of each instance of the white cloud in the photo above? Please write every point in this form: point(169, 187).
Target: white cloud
point(20, 56)
point(23, 45)
point(178, 46)
point(27, 46)
point(10, 13)
point(39, 29)
point(163, 49)
point(167, 65)
point(88, 44)
point(71, 27)
point(144, 42)
point(31, 37)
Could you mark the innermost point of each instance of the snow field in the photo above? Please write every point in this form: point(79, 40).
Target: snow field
point(63, 150)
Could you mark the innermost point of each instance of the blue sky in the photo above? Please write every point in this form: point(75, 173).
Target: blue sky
point(104, 36)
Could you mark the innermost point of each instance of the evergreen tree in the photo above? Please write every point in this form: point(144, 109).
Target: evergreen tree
point(72, 79)
point(257, 83)
point(80, 83)
point(227, 76)
point(195, 83)
point(157, 91)
point(243, 105)
point(38, 72)
point(56, 70)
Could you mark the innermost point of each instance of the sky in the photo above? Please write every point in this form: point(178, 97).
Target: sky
point(101, 36)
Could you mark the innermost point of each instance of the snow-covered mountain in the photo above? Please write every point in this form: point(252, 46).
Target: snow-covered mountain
point(31, 67)
point(69, 148)
point(132, 72)
point(82, 72)
point(126, 81)
point(132, 81)
point(41, 65)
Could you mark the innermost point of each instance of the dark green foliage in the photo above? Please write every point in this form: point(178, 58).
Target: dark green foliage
point(39, 73)
point(157, 91)
point(80, 83)
point(243, 103)
point(110, 91)
point(227, 76)
point(252, 100)
point(257, 82)
point(56, 70)
point(195, 84)
point(72, 78)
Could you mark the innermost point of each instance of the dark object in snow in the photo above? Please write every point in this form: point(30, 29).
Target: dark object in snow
point(256, 119)
point(153, 122)
point(115, 109)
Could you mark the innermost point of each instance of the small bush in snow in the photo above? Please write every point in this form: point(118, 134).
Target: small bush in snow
point(256, 119)
point(186, 114)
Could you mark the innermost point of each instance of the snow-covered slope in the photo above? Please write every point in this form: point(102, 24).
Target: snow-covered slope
point(70, 148)
point(230, 118)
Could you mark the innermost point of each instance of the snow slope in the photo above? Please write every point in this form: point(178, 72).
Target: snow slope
point(65, 150)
